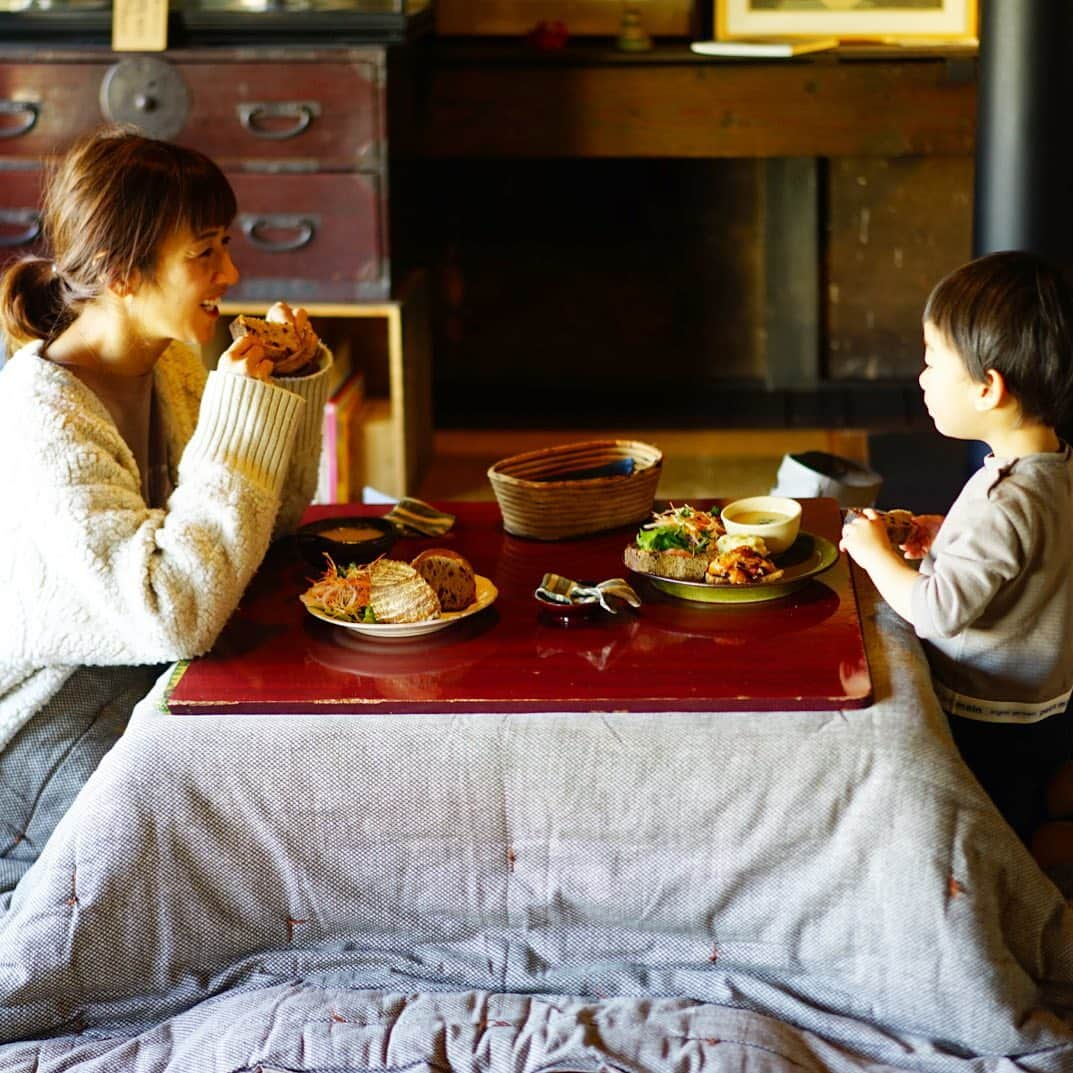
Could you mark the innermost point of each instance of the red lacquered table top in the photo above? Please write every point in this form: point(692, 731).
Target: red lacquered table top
point(804, 651)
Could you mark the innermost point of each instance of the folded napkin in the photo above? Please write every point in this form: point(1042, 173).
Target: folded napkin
point(420, 517)
point(561, 590)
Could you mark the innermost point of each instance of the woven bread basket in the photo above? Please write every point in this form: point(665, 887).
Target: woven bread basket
point(535, 504)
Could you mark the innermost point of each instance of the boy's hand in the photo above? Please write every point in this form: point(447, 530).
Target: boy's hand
point(921, 535)
point(245, 357)
point(865, 539)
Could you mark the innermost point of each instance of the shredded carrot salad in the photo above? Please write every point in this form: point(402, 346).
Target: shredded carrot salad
point(341, 594)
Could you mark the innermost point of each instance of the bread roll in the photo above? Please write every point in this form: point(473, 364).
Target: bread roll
point(450, 575)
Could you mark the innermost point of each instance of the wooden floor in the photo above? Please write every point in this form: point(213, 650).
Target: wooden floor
point(714, 463)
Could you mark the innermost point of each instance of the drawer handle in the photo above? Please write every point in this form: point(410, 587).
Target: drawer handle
point(302, 112)
point(28, 219)
point(254, 226)
point(29, 112)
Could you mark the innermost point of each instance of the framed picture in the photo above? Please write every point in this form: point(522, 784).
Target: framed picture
point(848, 20)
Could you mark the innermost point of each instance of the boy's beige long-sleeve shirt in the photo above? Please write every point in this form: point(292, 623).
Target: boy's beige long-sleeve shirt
point(91, 575)
point(994, 600)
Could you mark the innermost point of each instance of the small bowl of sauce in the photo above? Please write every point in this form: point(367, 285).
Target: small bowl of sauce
point(346, 540)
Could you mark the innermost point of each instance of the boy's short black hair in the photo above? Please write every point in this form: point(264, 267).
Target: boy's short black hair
point(1012, 312)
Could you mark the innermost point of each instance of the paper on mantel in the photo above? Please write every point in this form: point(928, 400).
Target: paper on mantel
point(139, 25)
point(762, 48)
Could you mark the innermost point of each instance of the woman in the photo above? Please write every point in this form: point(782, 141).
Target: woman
point(139, 493)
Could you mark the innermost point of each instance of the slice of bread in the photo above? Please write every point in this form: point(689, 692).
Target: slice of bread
point(278, 340)
point(678, 564)
point(287, 349)
point(450, 575)
point(899, 523)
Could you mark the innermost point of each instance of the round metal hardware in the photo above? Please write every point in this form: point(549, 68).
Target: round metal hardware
point(253, 226)
point(251, 115)
point(148, 93)
point(28, 219)
point(29, 110)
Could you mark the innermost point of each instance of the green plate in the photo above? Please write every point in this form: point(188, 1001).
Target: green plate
point(806, 557)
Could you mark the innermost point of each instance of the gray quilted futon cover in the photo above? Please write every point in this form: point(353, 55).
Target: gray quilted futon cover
point(732, 892)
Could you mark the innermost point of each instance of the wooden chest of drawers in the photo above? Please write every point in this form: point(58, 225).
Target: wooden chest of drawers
point(302, 134)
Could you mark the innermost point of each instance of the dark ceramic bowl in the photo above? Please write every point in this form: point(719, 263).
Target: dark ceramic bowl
point(346, 540)
point(564, 613)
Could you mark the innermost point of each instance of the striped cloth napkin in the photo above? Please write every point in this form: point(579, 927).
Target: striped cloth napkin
point(562, 590)
point(417, 516)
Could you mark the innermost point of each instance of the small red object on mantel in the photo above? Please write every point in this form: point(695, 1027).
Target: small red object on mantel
point(803, 651)
point(548, 36)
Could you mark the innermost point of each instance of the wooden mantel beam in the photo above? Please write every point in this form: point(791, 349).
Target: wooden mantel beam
point(475, 105)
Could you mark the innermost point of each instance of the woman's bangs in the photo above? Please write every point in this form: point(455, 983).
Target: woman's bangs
point(210, 201)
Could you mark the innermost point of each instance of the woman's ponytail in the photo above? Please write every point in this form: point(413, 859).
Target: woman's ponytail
point(32, 303)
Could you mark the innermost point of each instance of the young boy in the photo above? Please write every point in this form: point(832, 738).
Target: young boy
point(992, 600)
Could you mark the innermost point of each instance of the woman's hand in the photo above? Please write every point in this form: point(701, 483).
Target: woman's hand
point(923, 531)
point(298, 319)
point(281, 313)
point(245, 357)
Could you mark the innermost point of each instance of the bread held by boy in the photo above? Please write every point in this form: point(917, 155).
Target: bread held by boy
point(898, 523)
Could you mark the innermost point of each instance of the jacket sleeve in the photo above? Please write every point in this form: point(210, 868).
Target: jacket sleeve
point(300, 482)
point(124, 583)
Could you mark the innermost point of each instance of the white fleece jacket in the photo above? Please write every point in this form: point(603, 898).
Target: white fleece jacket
point(89, 574)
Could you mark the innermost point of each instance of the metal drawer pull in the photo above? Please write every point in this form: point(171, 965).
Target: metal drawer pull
point(303, 113)
point(29, 219)
point(253, 226)
point(29, 110)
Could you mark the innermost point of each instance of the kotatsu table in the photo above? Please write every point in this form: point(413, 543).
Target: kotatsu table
point(804, 650)
point(769, 890)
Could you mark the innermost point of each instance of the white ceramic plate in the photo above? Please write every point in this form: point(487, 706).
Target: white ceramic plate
point(486, 594)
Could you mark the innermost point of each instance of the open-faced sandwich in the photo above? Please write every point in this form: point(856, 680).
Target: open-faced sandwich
point(286, 337)
point(677, 543)
point(686, 544)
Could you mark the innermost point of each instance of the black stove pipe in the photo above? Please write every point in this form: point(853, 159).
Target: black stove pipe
point(1024, 142)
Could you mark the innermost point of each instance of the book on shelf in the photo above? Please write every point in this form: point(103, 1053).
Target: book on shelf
point(338, 479)
point(378, 451)
point(762, 48)
point(342, 363)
